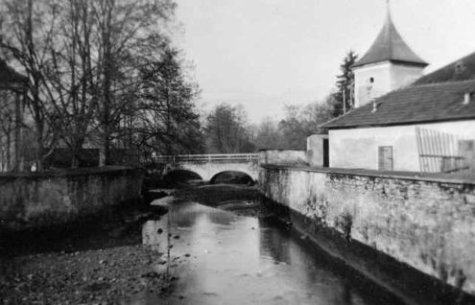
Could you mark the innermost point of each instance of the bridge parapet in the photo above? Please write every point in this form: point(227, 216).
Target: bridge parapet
point(207, 158)
point(209, 165)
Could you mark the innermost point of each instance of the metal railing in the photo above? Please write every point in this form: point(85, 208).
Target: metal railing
point(206, 158)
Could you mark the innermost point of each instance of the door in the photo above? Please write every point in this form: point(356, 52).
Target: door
point(326, 154)
point(385, 158)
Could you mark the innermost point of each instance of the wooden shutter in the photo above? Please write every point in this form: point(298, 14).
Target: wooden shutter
point(385, 158)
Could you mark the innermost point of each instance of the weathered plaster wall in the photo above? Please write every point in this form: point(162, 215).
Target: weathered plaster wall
point(381, 74)
point(315, 149)
point(426, 224)
point(358, 147)
point(283, 157)
point(43, 199)
point(387, 77)
point(403, 75)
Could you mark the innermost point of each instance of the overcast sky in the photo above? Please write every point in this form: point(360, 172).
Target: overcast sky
point(267, 53)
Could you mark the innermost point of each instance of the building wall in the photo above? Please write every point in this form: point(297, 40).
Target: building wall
point(358, 147)
point(315, 150)
point(381, 74)
point(403, 75)
point(426, 224)
point(31, 200)
point(387, 77)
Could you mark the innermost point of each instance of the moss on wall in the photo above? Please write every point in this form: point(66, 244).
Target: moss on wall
point(427, 224)
point(44, 199)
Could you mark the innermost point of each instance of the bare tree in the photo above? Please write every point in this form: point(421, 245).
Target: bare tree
point(226, 130)
point(72, 75)
point(128, 38)
point(83, 60)
point(28, 31)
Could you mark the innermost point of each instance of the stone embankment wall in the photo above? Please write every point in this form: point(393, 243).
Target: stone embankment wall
point(424, 223)
point(30, 200)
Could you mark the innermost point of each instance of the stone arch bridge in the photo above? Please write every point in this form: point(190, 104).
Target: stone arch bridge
point(208, 166)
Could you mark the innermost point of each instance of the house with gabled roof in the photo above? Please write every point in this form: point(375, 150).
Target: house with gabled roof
point(404, 121)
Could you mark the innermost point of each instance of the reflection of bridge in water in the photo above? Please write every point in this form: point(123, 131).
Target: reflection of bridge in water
point(209, 165)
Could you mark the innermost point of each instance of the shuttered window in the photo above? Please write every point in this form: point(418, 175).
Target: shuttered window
point(385, 158)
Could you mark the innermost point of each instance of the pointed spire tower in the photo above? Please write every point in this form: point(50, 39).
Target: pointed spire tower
point(388, 65)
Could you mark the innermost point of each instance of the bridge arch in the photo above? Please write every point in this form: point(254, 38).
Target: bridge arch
point(207, 166)
point(209, 170)
point(180, 175)
point(232, 177)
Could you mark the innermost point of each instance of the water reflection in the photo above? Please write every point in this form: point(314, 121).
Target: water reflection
point(273, 242)
point(223, 258)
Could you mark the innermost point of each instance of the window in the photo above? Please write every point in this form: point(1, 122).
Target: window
point(385, 158)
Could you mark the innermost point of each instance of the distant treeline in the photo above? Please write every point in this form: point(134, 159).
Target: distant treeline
point(104, 74)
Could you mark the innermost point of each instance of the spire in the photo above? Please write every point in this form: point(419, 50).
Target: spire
point(388, 8)
point(389, 46)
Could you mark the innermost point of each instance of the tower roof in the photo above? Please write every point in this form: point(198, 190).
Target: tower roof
point(389, 46)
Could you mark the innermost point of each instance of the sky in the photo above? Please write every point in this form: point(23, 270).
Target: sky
point(264, 54)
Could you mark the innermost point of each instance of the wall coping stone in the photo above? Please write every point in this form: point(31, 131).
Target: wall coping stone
point(85, 171)
point(415, 176)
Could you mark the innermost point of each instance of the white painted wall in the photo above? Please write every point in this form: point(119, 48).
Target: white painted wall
point(387, 77)
point(315, 149)
point(380, 72)
point(358, 147)
point(403, 75)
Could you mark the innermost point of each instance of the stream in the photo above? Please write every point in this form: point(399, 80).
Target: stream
point(219, 256)
point(235, 253)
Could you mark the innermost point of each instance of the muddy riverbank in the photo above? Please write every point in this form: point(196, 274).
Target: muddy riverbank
point(98, 260)
point(214, 244)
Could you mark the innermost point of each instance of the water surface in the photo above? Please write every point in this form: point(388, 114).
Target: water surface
point(220, 257)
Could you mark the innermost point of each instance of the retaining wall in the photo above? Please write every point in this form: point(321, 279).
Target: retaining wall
point(381, 224)
point(30, 200)
point(283, 157)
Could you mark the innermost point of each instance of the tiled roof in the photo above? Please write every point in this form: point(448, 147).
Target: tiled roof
point(461, 69)
point(415, 104)
point(389, 46)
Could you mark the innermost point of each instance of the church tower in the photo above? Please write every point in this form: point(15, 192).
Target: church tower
point(389, 64)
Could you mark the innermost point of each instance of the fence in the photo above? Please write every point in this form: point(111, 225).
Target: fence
point(438, 151)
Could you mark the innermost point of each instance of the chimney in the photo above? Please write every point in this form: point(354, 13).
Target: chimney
point(467, 97)
point(375, 106)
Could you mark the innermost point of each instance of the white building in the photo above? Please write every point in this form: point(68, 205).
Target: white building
point(389, 64)
point(426, 126)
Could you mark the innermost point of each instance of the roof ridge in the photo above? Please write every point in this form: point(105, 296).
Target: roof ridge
point(390, 26)
point(438, 84)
